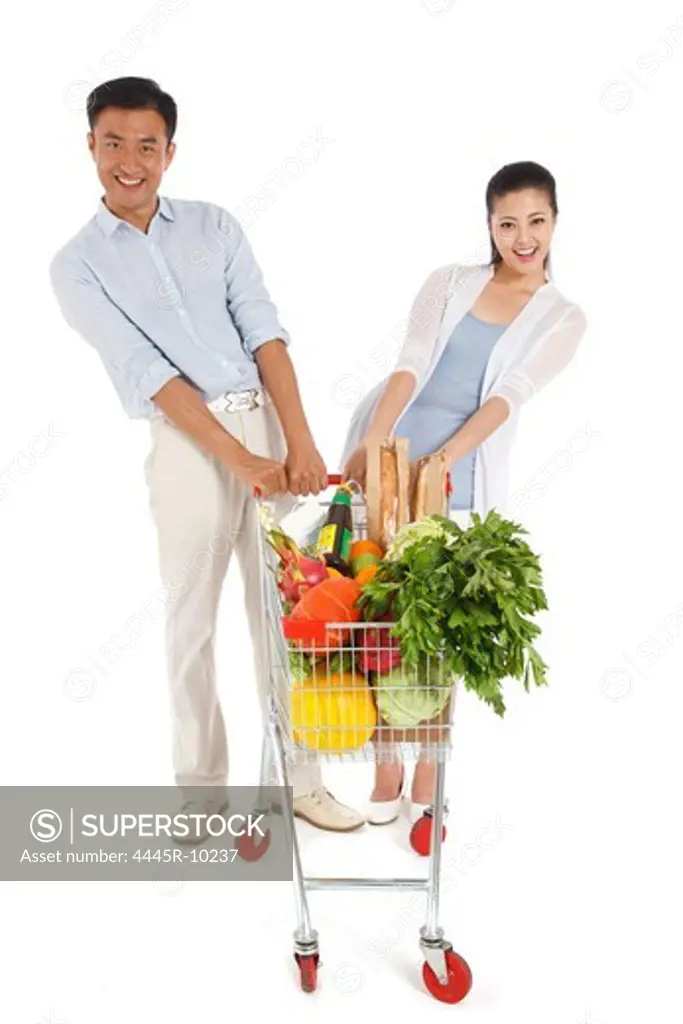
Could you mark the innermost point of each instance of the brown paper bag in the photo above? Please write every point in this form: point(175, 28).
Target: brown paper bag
point(387, 489)
point(429, 497)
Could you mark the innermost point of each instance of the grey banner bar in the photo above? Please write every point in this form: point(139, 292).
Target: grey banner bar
point(144, 833)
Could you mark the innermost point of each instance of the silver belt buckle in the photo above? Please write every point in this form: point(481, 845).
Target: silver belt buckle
point(248, 400)
point(239, 401)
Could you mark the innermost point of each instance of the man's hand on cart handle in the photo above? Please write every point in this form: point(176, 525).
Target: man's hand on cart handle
point(333, 480)
point(265, 476)
point(306, 471)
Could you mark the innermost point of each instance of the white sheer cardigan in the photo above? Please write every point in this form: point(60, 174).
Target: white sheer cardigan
point(534, 348)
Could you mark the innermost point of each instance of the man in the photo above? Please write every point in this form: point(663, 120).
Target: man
point(169, 294)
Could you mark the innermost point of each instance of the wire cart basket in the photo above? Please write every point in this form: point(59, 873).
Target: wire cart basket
point(327, 701)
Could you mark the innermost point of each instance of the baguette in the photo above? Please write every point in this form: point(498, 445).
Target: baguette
point(389, 490)
point(419, 490)
point(372, 490)
point(403, 476)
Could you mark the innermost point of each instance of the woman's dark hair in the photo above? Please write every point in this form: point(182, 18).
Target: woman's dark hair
point(514, 178)
point(133, 94)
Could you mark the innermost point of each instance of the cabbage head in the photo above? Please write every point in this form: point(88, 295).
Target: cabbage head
point(428, 528)
point(410, 695)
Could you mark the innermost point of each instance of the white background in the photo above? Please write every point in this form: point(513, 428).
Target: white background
point(572, 915)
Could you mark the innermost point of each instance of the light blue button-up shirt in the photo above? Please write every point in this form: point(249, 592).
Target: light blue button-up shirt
point(186, 299)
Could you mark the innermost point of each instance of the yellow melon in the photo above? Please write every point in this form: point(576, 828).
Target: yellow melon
point(334, 714)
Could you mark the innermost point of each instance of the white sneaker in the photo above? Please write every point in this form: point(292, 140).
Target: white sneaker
point(198, 832)
point(322, 810)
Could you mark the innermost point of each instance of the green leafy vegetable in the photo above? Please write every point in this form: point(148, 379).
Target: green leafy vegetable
point(466, 595)
point(305, 666)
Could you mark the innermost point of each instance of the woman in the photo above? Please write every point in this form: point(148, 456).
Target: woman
point(480, 341)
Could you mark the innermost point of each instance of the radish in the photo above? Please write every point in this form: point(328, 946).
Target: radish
point(380, 652)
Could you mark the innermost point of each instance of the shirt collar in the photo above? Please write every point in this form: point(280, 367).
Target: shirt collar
point(109, 222)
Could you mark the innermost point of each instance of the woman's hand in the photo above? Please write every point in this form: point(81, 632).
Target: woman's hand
point(357, 467)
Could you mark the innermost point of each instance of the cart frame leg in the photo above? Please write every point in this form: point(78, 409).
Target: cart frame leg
point(305, 937)
point(275, 646)
point(265, 774)
point(268, 777)
point(432, 942)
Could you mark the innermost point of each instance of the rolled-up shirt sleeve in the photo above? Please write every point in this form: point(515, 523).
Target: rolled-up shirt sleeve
point(249, 303)
point(129, 356)
point(554, 353)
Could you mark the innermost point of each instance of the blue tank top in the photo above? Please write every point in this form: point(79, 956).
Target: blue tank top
point(450, 396)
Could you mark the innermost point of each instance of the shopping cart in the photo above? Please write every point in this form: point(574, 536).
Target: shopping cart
point(327, 700)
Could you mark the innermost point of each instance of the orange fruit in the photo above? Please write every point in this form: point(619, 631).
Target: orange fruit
point(365, 547)
point(367, 574)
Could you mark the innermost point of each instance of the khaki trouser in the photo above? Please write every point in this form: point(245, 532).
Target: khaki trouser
point(202, 512)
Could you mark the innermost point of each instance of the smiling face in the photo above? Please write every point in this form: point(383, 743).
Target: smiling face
point(522, 225)
point(131, 152)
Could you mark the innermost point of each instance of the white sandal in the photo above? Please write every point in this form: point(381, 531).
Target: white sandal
point(417, 810)
point(383, 812)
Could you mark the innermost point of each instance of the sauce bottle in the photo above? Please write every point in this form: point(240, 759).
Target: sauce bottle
point(334, 539)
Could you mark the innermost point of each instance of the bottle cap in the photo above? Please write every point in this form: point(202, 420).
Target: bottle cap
point(342, 497)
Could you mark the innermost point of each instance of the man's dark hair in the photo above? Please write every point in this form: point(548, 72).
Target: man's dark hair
point(133, 94)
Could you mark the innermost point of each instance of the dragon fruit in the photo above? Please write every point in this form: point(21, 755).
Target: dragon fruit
point(299, 575)
point(297, 571)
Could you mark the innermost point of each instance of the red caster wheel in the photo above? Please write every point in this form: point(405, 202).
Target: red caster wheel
point(459, 979)
point(421, 834)
point(251, 848)
point(308, 969)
